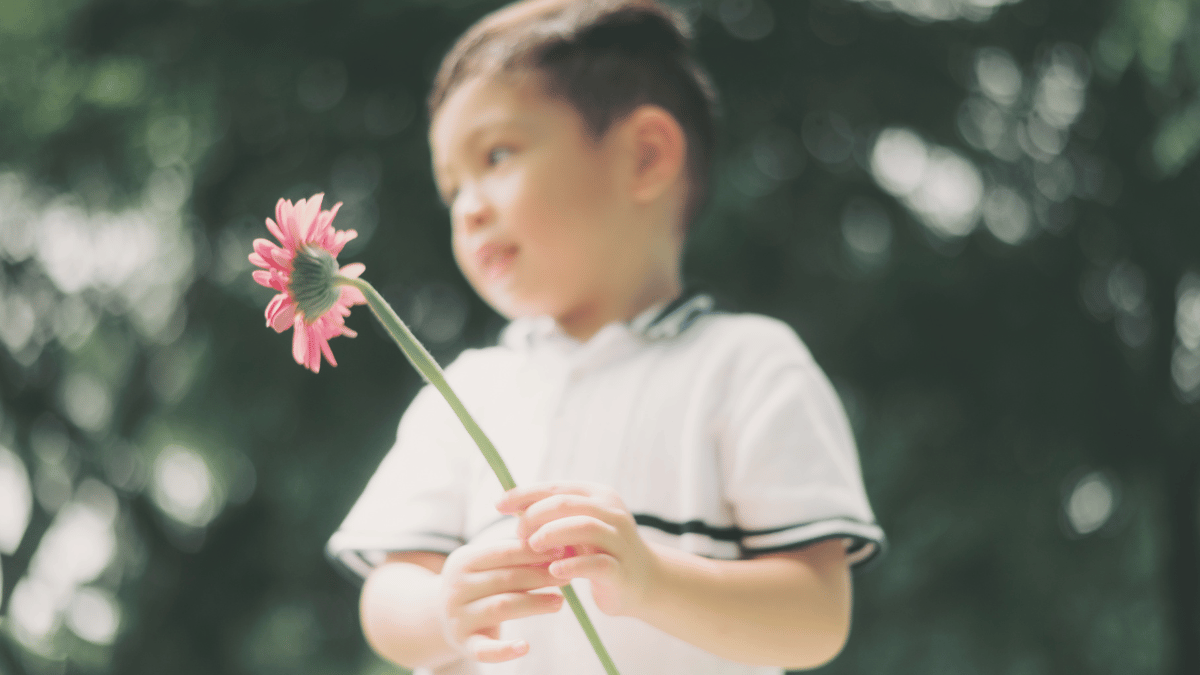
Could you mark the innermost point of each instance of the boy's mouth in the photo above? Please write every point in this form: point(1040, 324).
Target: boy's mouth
point(495, 259)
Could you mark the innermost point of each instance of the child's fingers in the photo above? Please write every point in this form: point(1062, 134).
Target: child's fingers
point(575, 531)
point(495, 609)
point(487, 650)
point(506, 580)
point(595, 566)
point(520, 498)
point(507, 553)
point(565, 505)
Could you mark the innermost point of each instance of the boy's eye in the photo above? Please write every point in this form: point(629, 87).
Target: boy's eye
point(498, 154)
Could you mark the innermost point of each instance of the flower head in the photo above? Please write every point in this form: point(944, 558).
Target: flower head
point(304, 270)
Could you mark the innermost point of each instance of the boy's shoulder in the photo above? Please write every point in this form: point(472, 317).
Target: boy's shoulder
point(713, 335)
point(748, 331)
point(744, 343)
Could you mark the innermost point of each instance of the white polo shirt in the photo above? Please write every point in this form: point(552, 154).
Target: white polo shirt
point(718, 431)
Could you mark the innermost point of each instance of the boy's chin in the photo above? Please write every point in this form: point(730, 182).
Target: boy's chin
point(512, 307)
point(510, 302)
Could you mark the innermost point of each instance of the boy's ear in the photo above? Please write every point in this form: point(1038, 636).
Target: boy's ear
point(659, 150)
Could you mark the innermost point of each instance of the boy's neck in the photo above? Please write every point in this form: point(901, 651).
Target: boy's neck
point(586, 321)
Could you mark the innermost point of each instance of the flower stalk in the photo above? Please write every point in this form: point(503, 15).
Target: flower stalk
point(432, 373)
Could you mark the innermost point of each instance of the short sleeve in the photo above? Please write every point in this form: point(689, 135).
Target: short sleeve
point(415, 500)
point(791, 467)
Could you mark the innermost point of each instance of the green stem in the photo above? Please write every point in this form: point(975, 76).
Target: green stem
point(421, 359)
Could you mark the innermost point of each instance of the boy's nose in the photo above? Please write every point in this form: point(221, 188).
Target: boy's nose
point(472, 208)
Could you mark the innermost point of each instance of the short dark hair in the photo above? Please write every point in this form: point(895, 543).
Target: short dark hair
point(605, 58)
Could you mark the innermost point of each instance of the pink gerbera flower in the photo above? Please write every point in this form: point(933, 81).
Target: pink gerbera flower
point(303, 270)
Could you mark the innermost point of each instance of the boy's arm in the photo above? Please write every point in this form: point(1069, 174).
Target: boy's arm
point(789, 609)
point(399, 610)
point(786, 609)
point(428, 609)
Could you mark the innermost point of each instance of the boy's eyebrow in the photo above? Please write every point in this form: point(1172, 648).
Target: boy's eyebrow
point(478, 128)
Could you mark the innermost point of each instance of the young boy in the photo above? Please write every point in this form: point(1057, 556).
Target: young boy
point(692, 472)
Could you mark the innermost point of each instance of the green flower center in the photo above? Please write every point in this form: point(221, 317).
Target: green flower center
point(313, 272)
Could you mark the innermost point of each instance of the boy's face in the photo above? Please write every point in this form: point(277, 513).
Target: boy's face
point(538, 216)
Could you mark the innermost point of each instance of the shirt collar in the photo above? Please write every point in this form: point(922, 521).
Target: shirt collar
point(661, 321)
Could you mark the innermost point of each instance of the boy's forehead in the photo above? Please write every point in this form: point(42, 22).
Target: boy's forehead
point(484, 102)
point(475, 104)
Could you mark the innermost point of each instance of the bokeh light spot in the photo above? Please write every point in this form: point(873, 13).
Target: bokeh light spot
point(386, 114)
point(777, 153)
point(116, 82)
point(322, 85)
point(898, 161)
point(939, 185)
point(1091, 503)
point(16, 500)
point(1062, 86)
point(1007, 215)
point(828, 137)
point(942, 10)
point(998, 75)
point(86, 401)
point(33, 613)
point(183, 486)
point(866, 230)
point(94, 615)
point(747, 19)
point(168, 139)
point(436, 311)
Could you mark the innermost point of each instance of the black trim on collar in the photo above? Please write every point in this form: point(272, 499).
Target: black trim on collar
point(675, 304)
point(679, 315)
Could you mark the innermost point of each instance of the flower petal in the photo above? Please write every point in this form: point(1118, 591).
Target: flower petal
point(279, 280)
point(351, 296)
point(323, 226)
point(264, 247)
point(353, 270)
point(277, 230)
point(264, 277)
point(273, 306)
point(281, 213)
point(340, 239)
point(313, 353)
point(292, 213)
point(307, 216)
point(282, 258)
point(256, 259)
point(300, 341)
point(328, 353)
point(281, 313)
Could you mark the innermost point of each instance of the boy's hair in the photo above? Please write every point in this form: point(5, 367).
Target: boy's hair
point(605, 58)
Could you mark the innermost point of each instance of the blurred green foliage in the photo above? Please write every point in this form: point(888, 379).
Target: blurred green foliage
point(977, 213)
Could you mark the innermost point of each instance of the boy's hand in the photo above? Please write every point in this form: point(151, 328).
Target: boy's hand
point(594, 536)
point(483, 585)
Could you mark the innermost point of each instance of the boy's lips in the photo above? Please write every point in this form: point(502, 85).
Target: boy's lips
point(494, 260)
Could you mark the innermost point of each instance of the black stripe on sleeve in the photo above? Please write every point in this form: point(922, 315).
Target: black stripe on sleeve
point(729, 533)
point(857, 544)
point(690, 527)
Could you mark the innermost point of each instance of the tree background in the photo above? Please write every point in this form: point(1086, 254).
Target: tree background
point(977, 213)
